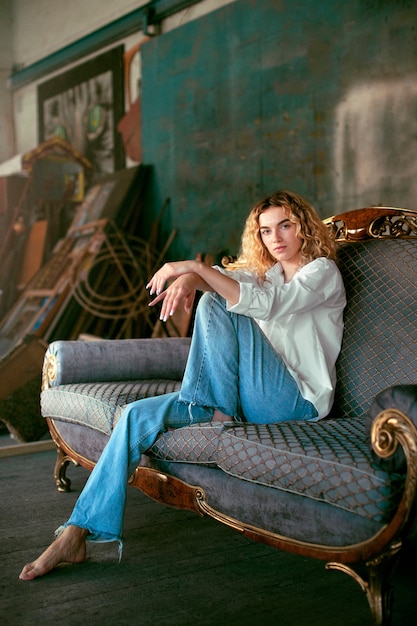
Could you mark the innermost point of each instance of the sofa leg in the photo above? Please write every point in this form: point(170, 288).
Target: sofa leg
point(62, 482)
point(377, 584)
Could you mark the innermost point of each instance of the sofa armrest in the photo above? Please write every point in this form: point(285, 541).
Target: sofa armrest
point(401, 398)
point(114, 359)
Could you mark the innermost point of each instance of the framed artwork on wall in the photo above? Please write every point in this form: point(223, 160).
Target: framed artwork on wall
point(83, 106)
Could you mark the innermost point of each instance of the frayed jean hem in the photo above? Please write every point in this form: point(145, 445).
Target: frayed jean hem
point(95, 537)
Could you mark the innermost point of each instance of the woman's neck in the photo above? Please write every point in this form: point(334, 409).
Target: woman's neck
point(290, 270)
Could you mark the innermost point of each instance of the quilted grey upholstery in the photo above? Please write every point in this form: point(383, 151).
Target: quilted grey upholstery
point(380, 344)
point(331, 464)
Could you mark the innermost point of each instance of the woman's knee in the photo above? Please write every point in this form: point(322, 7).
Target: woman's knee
point(210, 302)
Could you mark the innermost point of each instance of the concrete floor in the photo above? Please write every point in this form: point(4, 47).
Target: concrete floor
point(177, 569)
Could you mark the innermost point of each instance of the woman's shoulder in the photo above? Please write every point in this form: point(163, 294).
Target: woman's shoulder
point(322, 263)
point(322, 271)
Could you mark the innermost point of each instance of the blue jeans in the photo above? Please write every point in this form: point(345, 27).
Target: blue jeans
point(231, 367)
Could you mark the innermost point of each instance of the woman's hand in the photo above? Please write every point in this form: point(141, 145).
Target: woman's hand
point(182, 289)
point(189, 276)
point(166, 273)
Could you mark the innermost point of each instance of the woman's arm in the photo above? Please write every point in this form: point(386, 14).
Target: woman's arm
point(189, 276)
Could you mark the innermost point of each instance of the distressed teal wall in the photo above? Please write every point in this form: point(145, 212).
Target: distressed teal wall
point(316, 97)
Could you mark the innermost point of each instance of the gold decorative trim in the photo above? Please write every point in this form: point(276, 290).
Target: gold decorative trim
point(49, 371)
point(373, 223)
point(348, 553)
point(391, 428)
point(353, 553)
point(402, 225)
point(378, 585)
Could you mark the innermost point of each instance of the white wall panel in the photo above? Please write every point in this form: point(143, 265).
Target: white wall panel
point(42, 27)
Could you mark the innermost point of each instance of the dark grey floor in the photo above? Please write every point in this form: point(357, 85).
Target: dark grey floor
point(177, 569)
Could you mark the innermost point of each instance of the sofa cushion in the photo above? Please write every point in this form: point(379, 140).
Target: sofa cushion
point(328, 461)
point(191, 444)
point(99, 405)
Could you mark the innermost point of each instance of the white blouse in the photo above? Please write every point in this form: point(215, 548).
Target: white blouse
point(303, 320)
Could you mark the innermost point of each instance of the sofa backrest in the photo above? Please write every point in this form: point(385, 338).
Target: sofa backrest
point(380, 339)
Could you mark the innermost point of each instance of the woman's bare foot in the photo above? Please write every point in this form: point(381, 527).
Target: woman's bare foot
point(70, 547)
point(218, 416)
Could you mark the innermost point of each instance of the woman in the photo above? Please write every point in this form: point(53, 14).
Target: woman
point(266, 338)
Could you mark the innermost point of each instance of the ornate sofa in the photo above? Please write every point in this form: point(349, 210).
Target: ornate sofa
point(343, 489)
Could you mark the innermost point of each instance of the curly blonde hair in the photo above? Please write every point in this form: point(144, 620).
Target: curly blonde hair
point(315, 237)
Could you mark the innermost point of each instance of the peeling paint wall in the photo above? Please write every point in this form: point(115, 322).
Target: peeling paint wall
point(317, 97)
point(376, 143)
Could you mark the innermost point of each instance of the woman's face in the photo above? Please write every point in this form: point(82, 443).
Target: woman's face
point(279, 236)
